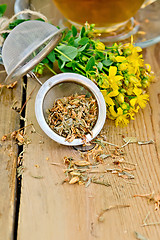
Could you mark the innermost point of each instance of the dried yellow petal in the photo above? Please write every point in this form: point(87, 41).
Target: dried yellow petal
point(82, 163)
point(75, 173)
point(74, 180)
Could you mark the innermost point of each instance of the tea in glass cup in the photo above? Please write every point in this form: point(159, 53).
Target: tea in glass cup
point(107, 15)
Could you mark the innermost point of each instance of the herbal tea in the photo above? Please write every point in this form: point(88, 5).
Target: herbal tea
point(104, 13)
point(73, 117)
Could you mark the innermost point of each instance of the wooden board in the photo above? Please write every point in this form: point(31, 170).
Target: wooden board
point(9, 121)
point(52, 210)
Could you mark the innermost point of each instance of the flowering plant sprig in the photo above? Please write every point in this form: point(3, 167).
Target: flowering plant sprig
point(119, 71)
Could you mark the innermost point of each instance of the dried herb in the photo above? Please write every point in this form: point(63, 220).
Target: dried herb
point(155, 198)
point(100, 182)
point(110, 208)
point(9, 86)
point(121, 173)
point(146, 223)
point(73, 116)
point(37, 177)
point(20, 171)
point(135, 140)
point(139, 236)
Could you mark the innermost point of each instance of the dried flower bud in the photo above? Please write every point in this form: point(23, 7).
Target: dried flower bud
point(4, 138)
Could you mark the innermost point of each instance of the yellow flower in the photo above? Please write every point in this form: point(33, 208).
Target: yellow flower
point(133, 57)
point(100, 46)
point(123, 66)
point(132, 112)
point(140, 99)
point(120, 118)
point(130, 89)
point(120, 98)
point(113, 78)
point(135, 81)
point(120, 58)
point(148, 67)
point(107, 96)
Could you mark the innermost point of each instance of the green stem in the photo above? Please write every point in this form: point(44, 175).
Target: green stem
point(106, 69)
point(78, 70)
point(47, 66)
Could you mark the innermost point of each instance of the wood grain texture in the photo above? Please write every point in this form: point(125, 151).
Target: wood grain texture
point(52, 210)
point(9, 121)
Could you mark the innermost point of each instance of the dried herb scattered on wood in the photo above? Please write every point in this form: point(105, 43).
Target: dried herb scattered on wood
point(73, 116)
point(155, 198)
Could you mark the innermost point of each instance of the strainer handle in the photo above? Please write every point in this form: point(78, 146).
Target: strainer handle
point(32, 75)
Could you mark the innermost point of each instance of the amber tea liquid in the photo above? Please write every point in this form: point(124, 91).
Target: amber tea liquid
point(104, 13)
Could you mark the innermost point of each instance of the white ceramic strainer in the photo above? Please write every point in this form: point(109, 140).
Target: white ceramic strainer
point(24, 48)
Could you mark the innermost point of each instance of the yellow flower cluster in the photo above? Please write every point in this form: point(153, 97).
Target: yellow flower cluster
point(125, 86)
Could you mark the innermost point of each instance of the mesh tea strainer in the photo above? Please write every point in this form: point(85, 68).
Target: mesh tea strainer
point(64, 85)
point(24, 48)
point(27, 44)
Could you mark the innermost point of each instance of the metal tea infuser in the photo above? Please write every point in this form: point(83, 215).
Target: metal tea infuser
point(27, 45)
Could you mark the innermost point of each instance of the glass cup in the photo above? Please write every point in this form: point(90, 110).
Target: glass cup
point(107, 15)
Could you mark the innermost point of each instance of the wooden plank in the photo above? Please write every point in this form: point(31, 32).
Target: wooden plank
point(52, 210)
point(9, 121)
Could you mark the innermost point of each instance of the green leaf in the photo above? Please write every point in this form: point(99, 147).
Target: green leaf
point(74, 31)
point(107, 62)
point(90, 64)
point(82, 32)
point(68, 53)
point(82, 48)
point(50, 64)
point(83, 41)
point(45, 60)
point(68, 35)
point(100, 66)
point(51, 56)
point(61, 64)
point(62, 67)
point(71, 41)
point(2, 9)
point(16, 22)
point(76, 41)
point(69, 64)
point(99, 55)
